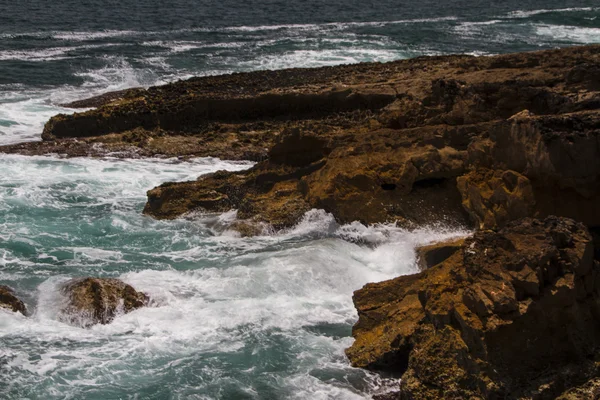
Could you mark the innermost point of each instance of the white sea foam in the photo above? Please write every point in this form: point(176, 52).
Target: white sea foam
point(569, 33)
point(334, 25)
point(529, 13)
point(48, 54)
point(22, 117)
point(23, 112)
point(214, 296)
point(85, 36)
point(316, 58)
point(217, 310)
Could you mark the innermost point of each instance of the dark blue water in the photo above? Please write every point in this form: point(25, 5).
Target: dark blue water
point(65, 50)
point(232, 318)
point(52, 43)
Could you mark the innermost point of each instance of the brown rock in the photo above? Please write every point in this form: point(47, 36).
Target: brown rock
point(494, 198)
point(507, 316)
point(428, 256)
point(484, 138)
point(9, 301)
point(98, 300)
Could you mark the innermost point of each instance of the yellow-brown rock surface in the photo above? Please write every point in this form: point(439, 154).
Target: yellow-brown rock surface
point(513, 314)
point(464, 140)
point(494, 198)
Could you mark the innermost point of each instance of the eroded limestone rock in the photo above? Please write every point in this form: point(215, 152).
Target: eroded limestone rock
point(495, 139)
point(494, 198)
point(513, 313)
point(433, 254)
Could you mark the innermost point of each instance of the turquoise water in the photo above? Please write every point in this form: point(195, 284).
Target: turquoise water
point(231, 318)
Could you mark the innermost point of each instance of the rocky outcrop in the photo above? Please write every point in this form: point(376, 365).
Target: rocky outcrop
point(9, 301)
point(461, 139)
point(479, 141)
point(513, 314)
point(92, 301)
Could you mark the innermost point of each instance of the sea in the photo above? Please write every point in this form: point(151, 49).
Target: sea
point(266, 317)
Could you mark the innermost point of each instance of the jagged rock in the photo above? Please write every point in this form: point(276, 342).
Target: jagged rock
point(9, 301)
point(588, 391)
point(558, 154)
point(513, 314)
point(370, 142)
point(494, 198)
point(501, 140)
point(428, 256)
point(98, 300)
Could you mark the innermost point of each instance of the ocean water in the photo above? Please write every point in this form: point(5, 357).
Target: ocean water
point(231, 318)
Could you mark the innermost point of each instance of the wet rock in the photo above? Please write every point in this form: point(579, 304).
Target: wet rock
point(428, 256)
point(98, 300)
point(9, 301)
point(512, 314)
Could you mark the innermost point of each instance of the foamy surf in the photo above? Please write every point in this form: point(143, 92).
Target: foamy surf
point(267, 316)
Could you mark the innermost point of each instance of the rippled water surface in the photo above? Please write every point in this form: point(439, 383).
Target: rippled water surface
point(231, 318)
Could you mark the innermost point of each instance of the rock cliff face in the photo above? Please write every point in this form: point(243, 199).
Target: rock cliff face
point(512, 314)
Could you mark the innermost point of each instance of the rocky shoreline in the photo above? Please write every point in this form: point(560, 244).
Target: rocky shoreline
point(508, 145)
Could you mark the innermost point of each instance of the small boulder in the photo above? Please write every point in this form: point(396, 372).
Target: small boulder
point(9, 301)
point(98, 300)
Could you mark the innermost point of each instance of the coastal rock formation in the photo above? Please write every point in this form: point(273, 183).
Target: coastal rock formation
point(512, 314)
point(9, 301)
point(98, 300)
point(410, 141)
point(465, 140)
point(491, 142)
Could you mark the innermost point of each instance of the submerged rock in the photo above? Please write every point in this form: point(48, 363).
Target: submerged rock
point(512, 314)
point(9, 301)
point(98, 300)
